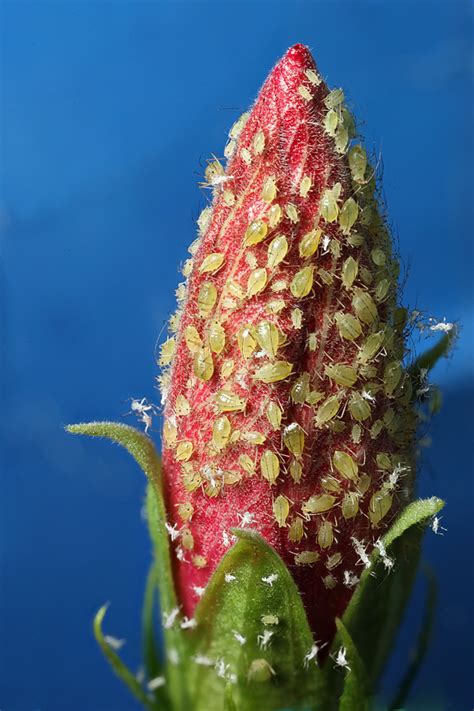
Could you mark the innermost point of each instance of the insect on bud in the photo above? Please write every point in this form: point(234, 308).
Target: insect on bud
point(286, 402)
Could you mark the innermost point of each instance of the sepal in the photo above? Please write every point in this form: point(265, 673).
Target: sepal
point(375, 611)
point(252, 628)
point(118, 667)
point(355, 694)
point(143, 451)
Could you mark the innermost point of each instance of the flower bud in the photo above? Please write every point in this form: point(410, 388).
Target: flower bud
point(287, 407)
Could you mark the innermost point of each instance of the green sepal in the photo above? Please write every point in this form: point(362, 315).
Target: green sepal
point(441, 349)
point(142, 449)
point(175, 639)
point(135, 442)
point(375, 611)
point(229, 699)
point(151, 657)
point(118, 667)
point(355, 694)
point(238, 606)
point(422, 645)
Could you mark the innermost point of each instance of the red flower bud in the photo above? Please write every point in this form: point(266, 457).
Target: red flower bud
point(287, 408)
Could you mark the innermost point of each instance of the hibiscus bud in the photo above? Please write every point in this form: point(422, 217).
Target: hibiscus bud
point(287, 407)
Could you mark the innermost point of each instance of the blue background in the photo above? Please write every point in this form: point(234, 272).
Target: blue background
point(108, 112)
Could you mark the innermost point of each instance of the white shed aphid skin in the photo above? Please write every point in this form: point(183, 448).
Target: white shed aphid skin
point(349, 579)
point(172, 531)
point(140, 406)
point(436, 527)
point(203, 222)
point(361, 552)
point(423, 386)
point(386, 560)
point(270, 579)
point(221, 668)
point(173, 656)
point(147, 421)
point(113, 642)
point(169, 618)
point(325, 243)
point(228, 539)
point(229, 578)
point(367, 395)
point(246, 519)
point(340, 659)
point(395, 475)
point(203, 661)
point(198, 590)
point(441, 326)
point(188, 623)
point(156, 683)
point(313, 654)
point(180, 555)
point(264, 639)
point(214, 174)
point(239, 637)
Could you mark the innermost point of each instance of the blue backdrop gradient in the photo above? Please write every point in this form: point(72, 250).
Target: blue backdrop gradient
point(108, 111)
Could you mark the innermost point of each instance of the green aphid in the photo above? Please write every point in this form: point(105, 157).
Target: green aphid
point(318, 504)
point(380, 505)
point(274, 372)
point(359, 407)
point(378, 257)
point(207, 298)
point(348, 215)
point(281, 509)
point(325, 535)
point(328, 410)
point(371, 346)
point(344, 375)
point(345, 465)
point(357, 163)
point(348, 326)
point(300, 389)
point(391, 377)
point(306, 558)
point(221, 430)
point(341, 138)
point(364, 306)
point(260, 671)
point(329, 207)
point(350, 505)
point(203, 364)
point(331, 121)
point(270, 466)
point(216, 337)
point(277, 251)
point(302, 282)
point(381, 289)
point(268, 338)
point(293, 439)
point(350, 269)
point(334, 98)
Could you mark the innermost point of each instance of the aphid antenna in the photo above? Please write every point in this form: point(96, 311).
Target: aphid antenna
point(344, 408)
point(155, 348)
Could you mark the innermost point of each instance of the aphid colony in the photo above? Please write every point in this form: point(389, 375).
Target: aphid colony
point(283, 381)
